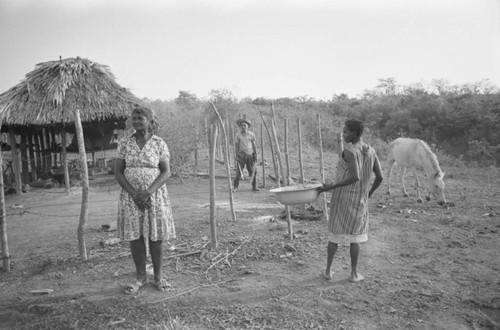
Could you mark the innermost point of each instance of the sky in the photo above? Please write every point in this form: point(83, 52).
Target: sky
point(256, 48)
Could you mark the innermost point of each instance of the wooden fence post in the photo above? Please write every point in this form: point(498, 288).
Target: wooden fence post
point(321, 166)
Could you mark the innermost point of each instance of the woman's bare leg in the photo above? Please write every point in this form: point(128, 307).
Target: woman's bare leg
point(355, 276)
point(138, 250)
point(330, 253)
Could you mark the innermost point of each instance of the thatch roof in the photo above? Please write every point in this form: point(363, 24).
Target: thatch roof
point(50, 93)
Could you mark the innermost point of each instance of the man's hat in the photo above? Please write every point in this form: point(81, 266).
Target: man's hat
point(243, 120)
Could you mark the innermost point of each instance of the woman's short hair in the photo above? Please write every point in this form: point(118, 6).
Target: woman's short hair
point(149, 114)
point(356, 126)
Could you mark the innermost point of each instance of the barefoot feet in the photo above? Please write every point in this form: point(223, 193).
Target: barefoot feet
point(327, 276)
point(355, 278)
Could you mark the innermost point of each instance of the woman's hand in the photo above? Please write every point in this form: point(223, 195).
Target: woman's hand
point(323, 188)
point(142, 199)
point(141, 196)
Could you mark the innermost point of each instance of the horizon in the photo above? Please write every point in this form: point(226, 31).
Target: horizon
point(279, 49)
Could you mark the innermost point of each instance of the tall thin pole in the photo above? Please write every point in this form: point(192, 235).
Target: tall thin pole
point(3, 225)
point(84, 213)
point(321, 166)
point(212, 138)
point(288, 181)
point(301, 162)
point(262, 155)
point(32, 157)
point(225, 141)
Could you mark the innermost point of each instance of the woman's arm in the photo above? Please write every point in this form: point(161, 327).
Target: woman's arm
point(120, 177)
point(352, 169)
point(378, 177)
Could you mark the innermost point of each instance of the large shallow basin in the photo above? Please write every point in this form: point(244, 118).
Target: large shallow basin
point(300, 194)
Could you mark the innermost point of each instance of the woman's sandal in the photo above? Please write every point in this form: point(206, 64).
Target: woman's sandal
point(162, 285)
point(134, 287)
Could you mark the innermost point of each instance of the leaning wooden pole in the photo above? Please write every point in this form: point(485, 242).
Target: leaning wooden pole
point(15, 161)
point(301, 161)
point(3, 225)
point(288, 182)
point(273, 156)
point(225, 141)
point(278, 151)
point(212, 138)
point(84, 212)
point(321, 166)
point(262, 155)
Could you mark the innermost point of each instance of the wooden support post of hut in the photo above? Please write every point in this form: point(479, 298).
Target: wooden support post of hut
point(321, 167)
point(48, 151)
point(15, 161)
point(64, 159)
point(38, 152)
point(31, 153)
point(24, 158)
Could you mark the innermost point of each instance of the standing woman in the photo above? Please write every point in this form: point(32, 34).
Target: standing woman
point(348, 221)
point(144, 213)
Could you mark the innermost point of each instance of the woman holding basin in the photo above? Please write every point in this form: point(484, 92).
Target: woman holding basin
point(348, 221)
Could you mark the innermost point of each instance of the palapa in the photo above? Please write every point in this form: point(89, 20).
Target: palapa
point(55, 93)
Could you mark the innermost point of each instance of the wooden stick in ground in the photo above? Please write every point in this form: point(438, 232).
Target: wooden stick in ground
point(321, 166)
point(278, 151)
point(225, 142)
point(262, 155)
point(84, 212)
point(288, 182)
point(271, 145)
point(3, 225)
point(301, 163)
point(340, 144)
point(287, 156)
point(196, 138)
point(212, 136)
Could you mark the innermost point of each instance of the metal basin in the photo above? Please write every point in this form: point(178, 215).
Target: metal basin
point(300, 194)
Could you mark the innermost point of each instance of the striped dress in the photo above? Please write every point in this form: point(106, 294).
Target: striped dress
point(348, 222)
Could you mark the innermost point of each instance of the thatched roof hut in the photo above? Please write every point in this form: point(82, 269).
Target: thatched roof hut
point(56, 93)
point(50, 93)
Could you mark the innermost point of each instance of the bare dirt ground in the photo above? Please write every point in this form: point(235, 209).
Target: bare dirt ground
point(426, 267)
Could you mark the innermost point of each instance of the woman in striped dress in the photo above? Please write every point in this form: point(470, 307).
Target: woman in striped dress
point(348, 221)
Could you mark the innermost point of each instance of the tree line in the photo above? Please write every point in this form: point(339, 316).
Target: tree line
point(462, 121)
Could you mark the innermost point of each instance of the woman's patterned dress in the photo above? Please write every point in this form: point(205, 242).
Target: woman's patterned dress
point(141, 169)
point(348, 222)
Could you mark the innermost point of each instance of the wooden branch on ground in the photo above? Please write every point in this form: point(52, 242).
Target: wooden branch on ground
point(224, 258)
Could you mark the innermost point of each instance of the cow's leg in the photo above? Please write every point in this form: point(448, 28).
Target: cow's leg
point(417, 185)
point(402, 171)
